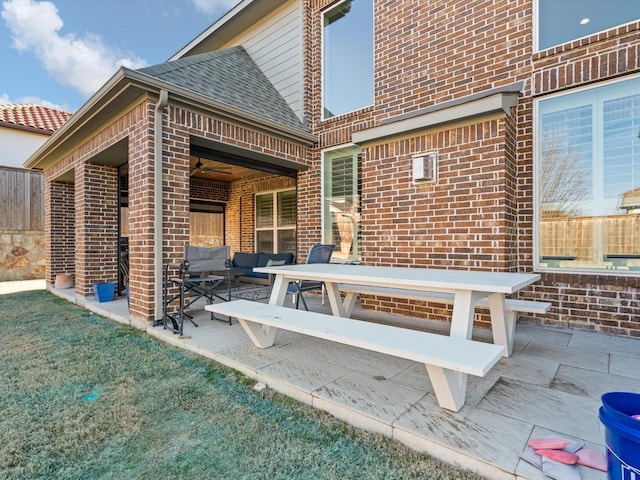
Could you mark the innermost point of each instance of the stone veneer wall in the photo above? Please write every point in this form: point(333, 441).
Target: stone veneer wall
point(21, 255)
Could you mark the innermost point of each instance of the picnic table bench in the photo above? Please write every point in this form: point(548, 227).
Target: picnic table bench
point(448, 359)
point(512, 306)
point(465, 287)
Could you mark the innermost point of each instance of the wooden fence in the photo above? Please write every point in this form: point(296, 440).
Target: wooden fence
point(21, 224)
point(21, 199)
point(589, 238)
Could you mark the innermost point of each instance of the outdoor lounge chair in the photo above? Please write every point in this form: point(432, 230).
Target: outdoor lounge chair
point(319, 253)
point(198, 276)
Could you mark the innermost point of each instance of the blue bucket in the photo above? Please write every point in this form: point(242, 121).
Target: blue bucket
point(622, 434)
point(104, 291)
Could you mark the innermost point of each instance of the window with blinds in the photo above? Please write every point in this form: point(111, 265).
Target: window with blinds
point(588, 179)
point(341, 206)
point(276, 222)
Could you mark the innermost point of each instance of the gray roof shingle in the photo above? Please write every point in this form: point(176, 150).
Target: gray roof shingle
point(229, 76)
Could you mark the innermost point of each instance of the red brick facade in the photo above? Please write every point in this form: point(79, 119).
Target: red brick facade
point(478, 215)
point(82, 216)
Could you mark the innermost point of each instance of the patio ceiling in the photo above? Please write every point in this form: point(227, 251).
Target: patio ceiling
point(242, 160)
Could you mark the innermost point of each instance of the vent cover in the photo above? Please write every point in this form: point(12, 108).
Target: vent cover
point(425, 167)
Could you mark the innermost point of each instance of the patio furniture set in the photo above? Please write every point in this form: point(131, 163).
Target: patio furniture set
point(211, 274)
point(448, 358)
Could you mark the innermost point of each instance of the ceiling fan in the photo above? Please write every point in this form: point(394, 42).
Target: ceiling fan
point(202, 168)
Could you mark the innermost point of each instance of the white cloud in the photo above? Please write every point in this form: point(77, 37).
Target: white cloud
point(84, 63)
point(214, 6)
point(6, 100)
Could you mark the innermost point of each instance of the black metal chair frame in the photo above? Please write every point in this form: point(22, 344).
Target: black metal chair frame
point(318, 253)
point(194, 277)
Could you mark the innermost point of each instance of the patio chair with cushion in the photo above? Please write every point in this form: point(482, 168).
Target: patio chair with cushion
point(319, 253)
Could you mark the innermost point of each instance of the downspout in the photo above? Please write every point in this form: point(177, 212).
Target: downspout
point(158, 202)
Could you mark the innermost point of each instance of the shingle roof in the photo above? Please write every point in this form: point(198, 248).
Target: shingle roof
point(32, 117)
point(229, 76)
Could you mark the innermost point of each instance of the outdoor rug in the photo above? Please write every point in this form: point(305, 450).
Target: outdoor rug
point(251, 291)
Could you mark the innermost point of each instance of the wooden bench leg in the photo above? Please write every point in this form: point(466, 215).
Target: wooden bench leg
point(260, 335)
point(449, 386)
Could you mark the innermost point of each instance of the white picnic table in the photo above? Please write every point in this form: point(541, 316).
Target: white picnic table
point(467, 287)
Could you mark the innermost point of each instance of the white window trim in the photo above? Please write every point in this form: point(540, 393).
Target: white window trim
point(536, 193)
point(323, 153)
point(273, 228)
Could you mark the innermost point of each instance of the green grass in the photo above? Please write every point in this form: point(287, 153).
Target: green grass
point(82, 397)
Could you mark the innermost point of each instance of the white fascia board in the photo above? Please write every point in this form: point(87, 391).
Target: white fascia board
point(503, 101)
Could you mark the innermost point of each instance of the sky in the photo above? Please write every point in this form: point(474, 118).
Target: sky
point(57, 53)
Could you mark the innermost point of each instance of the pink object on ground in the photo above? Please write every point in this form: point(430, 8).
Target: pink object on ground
point(558, 455)
point(592, 458)
point(547, 443)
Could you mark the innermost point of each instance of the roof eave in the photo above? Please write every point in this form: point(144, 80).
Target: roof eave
point(25, 128)
point(38, 159)
point(125, 79)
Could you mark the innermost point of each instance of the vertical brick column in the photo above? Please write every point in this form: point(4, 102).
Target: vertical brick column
point(233, 218)
point(142, 198)
point(141, 225)
point(96, 226)
point(59, 229)
point(176, 187)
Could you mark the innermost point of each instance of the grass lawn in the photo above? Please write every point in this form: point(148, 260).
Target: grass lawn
point(82, 397)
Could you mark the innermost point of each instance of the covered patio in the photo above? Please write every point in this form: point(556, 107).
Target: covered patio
point(550, 386)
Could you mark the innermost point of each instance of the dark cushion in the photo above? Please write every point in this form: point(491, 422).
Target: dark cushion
point(242, 270)
point(253, 274)
point(245, 260)
point(265, 257)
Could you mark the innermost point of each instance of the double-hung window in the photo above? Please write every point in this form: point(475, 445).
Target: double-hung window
point(588, 179)
point(276, 222)
point(341, 208)
point(561, 21)
point(347, 57)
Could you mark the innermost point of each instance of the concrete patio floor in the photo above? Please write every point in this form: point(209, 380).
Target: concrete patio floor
point(550, 386)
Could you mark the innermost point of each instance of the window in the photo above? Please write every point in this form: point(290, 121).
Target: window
point(588, 178)
point(276, 233)
point(206, 223)
point(341, 209)
point(347, 57)
point(560, 21)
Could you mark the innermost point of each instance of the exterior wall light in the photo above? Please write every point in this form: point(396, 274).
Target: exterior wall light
point(425, 167)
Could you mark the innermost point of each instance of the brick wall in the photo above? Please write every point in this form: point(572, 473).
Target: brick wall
point(96, 235)
point(82, 214)
point(480, 213)
point(209, 190)
point(605, 303)
point(59, 229)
